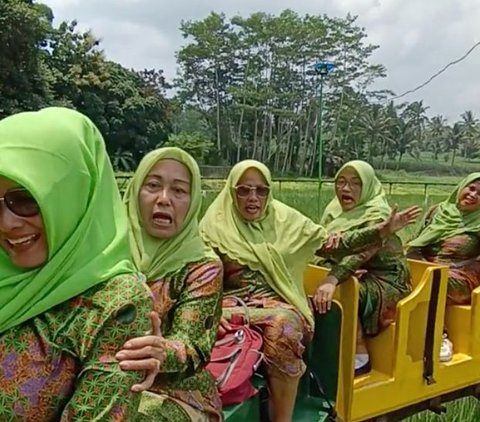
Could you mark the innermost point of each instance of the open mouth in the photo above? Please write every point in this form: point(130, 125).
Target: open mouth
point(162, 219)
point(468, 200)
point(23, 243)
point(347, 199)
point(252, 209)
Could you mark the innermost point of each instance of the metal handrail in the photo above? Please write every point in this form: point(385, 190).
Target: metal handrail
point(123, 180)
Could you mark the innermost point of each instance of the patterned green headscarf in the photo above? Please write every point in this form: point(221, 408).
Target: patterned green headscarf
point(371, 207)
point(155, 257)
point(448, 220)
point(59, 156)
point(279, 245)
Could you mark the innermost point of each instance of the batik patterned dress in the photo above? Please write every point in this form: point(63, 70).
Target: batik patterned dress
point(384, 280)
point(61, 366)
point(461, 253)
point(188, 303)
point(285, 330)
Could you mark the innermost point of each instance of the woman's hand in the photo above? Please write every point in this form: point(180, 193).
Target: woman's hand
point(324, 294)
point(398, 220)
point(144, 354)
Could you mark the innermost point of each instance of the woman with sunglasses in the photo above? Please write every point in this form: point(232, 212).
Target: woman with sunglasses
point(163, 202)
point(69, 294)
point(265, 247)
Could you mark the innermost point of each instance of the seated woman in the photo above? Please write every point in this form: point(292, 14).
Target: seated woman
point(451, 235)
point(265, 247)
point(163, 202)
point(69, 293)
point(382, 269)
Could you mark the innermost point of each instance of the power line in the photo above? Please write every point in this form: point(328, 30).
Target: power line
point(437, 74)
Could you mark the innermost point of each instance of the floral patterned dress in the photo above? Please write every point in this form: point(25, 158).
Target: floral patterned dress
point(188, 303)
point(61, 366)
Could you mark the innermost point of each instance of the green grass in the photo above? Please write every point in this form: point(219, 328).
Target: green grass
point(462, 410)
point(426, 165)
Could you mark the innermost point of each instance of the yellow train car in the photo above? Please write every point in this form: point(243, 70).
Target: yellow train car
point(407, 375)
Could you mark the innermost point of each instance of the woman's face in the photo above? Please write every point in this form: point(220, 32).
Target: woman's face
point(22, 233)
point(469, 197)
point(251, 192)
point(348, 188)
point(164, 198)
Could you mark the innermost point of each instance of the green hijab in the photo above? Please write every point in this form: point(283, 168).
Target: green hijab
point(59, 156)
point(371, 207)
point(448, 220)
point(279, 245)
point(155, 257)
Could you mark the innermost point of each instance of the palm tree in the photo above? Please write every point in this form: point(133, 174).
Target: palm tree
point(471, 134)
point(454, 140)
point(123, 160)
point(405, 139)
point(374, 125)
point(437, 130)
point(416, 113)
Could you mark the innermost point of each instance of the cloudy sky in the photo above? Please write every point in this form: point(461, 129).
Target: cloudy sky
point(416, 37)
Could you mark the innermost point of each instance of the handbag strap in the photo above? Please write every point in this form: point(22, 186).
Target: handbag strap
point(243, 305)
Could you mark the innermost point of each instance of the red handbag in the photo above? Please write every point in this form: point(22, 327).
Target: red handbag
point(234, 359)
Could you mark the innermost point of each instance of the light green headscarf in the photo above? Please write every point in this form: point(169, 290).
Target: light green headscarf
point(155, 257)
point(448, 220)
point(59, 156)
point(279, 245)
point(372, 206)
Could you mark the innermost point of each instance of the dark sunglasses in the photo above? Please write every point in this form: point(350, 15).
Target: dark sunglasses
point(21, 203)
point(243, 191)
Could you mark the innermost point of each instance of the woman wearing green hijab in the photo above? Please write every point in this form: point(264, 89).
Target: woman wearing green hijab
point(163, 202)
point(69, 293)
point(265, 247)
point(451, 235)
point(382, 269)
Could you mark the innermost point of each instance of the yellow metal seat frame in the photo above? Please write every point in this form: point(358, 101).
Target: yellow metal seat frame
point(397, 380)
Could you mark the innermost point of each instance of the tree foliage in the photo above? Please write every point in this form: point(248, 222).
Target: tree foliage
point(248, 79)
point(244, 89)
point(42, 65)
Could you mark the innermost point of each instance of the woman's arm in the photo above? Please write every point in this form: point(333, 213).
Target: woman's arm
point(195, 320)
point(192, 334)
point(348, 265)
point(102, 390)
point(351, 242)
point(355, 241)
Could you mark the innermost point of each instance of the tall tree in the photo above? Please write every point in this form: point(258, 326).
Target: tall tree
point(471, 134)
point(262, 102)
point(453, 140)
point(436, 133)
point(24, 84)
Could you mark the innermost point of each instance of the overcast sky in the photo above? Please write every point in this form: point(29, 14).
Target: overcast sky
point(416, 37)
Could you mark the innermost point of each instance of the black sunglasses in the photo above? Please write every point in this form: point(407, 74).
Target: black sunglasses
point(243, 191)
point(20, 202)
